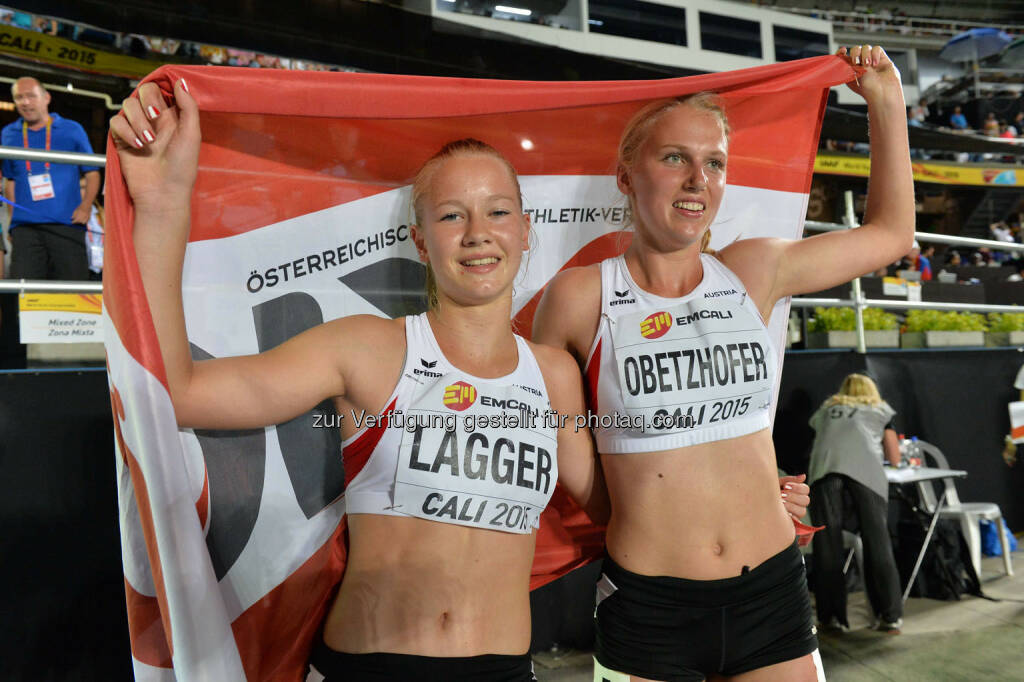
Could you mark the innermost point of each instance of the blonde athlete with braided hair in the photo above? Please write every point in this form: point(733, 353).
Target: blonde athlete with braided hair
point(703, 578)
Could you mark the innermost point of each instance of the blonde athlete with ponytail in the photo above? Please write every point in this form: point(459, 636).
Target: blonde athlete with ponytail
point(436, 588)
point(703, 578)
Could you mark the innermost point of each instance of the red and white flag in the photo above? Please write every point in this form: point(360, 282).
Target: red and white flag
point(233, 542)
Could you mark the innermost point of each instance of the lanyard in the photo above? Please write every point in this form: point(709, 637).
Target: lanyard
point(24, 137)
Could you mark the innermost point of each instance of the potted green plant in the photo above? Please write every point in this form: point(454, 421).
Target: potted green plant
point(942, 329)
point(1005, 329)
point(835, 328)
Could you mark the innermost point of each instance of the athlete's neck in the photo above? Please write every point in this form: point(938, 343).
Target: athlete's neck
point(478, 340)
point(668, 274)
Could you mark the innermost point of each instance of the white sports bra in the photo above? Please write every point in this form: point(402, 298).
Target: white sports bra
point(665, 373)
point(456, 448)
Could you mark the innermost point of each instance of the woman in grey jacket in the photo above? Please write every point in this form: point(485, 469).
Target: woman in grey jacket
point(849, 490)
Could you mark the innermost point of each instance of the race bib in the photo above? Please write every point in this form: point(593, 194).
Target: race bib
point(481, 456)
point(41, 186)
point(692, 365)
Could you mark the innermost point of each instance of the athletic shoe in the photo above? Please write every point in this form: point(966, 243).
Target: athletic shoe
point(889, 628)
point(831, 627)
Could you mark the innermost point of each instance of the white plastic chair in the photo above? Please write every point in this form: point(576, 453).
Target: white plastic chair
point(967, 513)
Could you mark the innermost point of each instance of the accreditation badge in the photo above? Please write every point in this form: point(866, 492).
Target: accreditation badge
point(41, 186)
point(477, 454)
point(692, 364)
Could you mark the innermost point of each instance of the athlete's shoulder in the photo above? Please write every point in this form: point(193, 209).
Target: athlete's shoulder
point(574, 290)
point(559, 369)
point(755, 262)
point(753, 252)
point(368, 331)
point(570, 309)
point(583, 275)
point(555, 360)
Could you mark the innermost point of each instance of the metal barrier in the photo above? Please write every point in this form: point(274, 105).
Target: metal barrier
point(76, 158)
point(44, 285)
point(858, 302)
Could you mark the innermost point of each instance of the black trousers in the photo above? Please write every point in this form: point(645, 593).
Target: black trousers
point(48, 252)
point(838, 502)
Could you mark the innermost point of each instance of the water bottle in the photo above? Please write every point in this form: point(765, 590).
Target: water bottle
point(914, 452)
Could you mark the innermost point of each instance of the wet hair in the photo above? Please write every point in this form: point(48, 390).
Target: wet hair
point(857, 390)
point(424, 176)
point(639, 128)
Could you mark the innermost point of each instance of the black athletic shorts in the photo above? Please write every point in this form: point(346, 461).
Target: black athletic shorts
point(336, 666)
point(680, 630)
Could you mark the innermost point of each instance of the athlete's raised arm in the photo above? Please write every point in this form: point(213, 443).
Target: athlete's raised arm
point(158, 148)
point(774, 268)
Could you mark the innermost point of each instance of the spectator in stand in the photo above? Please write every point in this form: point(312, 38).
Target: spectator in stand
point(1001, 232)
point(918, 113)
point(1007, 131)
point(991, 125)
point(1018, 124)
point(1013, 128)
point(954, 260)
point(45, 25)
point(957, 120)
point(912, 260)
point(924, 262)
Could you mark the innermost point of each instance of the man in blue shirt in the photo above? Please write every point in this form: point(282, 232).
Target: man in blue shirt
point(51, 209)
point(958, 120)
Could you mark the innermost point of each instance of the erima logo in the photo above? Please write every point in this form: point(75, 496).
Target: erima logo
point(621, 298)
point(459, 396)
point(426, 372)
point(716, 294)
point(654, 326)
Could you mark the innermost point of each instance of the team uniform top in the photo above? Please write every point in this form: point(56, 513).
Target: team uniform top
point(664, 373)
point(454, 447)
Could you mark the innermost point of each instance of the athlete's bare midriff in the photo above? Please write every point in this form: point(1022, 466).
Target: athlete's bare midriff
point(421, 587)
point(701, 512)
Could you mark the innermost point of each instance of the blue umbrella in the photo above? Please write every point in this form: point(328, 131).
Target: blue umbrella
point(975, 44)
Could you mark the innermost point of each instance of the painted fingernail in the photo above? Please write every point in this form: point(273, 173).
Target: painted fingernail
point(788, 486)
point(784, 495)
point(184, 86)
point(152, 111)
point(138, 143)
point(148, 135)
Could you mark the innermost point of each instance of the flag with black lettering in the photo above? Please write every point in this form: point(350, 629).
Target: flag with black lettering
point(233, 541)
